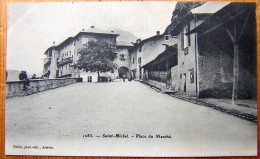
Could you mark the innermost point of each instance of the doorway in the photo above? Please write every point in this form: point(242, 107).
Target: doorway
point(184, 82)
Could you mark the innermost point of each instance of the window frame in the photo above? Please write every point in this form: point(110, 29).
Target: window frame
point(166, 37)
point(191, 75)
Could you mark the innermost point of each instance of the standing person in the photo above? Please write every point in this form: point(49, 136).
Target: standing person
point(130, 77)
point(27, 83)
point(123, 78)
point(21, 76)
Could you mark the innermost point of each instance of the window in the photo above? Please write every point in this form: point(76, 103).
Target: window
point(133, 60)
point(180, 76)
point(139, 60)
point(182, 40)
point(191, 71)
point(186, 39)
point(166, 37)
point(186, 50)
point(122, 57)
point(140, 48)
point(89, 78)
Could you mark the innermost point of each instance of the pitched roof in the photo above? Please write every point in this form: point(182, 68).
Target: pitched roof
point(169, 51)
point(137, 44)
point(69, 39)
point(209, 7)
point(205, 9)
point(98, 31)
point(221, 17)
point(124, 43)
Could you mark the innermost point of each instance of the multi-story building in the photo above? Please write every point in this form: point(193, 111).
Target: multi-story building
point(185, 58)
point(208, 64)
point(145, 51)
point(50, 62)
point(61, 59)
point(123, 59)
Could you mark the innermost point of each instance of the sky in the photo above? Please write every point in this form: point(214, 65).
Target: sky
point(32, 27)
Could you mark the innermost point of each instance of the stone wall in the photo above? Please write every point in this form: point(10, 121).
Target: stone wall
point(17, 88)
point(175, 78)
point(160, 85)
point(215, 66)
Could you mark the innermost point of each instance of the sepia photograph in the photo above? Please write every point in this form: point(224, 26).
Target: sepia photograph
point(137, 79)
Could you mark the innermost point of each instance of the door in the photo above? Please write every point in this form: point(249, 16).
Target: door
point(89, 78)
point(184, 82)
point(168, 79)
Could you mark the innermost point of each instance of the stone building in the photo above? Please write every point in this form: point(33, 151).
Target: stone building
point(186, 71)
point(123, 59)
point(227, 62)
point(61, 59)
point(50, 62)
point(209, 51)
point(206, 50)
point(144, 51)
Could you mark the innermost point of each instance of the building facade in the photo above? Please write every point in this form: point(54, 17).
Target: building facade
point(144, 51)
point(206, 55)
point(122, 60)
point(61, 59)
point(196, 57)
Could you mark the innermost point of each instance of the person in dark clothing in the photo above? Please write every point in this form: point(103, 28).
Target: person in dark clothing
point(21, 76)
point(27, 83)
point(34, 76)
point(130, 77)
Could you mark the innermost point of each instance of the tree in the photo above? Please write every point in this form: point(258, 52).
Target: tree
point(97, 56)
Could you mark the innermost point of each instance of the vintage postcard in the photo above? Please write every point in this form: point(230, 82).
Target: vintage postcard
point(161, 79)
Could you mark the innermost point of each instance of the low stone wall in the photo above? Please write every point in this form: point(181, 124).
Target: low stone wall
point(18, 88)
point(156, 84)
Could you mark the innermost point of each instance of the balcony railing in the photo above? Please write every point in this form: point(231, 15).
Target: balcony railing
point(64, 61)
point(47, 61)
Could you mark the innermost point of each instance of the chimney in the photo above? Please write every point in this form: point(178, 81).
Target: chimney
point(83, 29)
point(112, 31)
point(158, 33)
point(92, 27)
point(53, 43)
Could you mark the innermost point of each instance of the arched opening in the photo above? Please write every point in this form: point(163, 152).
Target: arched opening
point(123, 71)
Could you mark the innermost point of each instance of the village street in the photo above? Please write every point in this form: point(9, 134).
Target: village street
point(87, 116)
